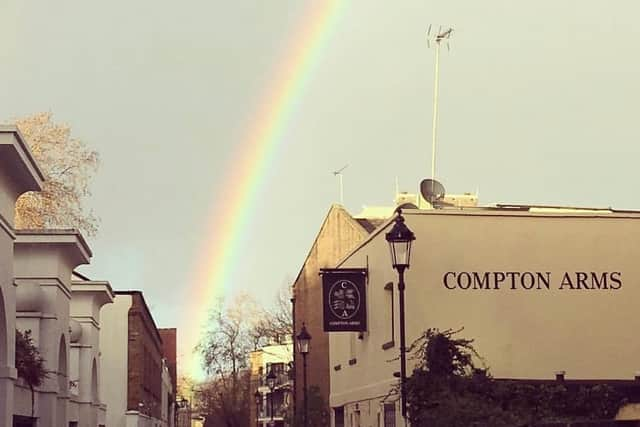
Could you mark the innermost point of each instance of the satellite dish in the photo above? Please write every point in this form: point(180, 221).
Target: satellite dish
point(408, 205)
point(432, 190)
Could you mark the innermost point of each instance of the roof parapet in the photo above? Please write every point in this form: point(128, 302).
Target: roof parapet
point(16, 157)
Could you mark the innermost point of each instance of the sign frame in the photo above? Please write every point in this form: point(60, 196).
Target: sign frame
point(344, 299)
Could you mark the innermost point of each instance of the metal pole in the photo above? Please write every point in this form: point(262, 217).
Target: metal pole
point(304, 363)
point(272, 407)
point(403, 361)
point(435, 112)
point(295, 371)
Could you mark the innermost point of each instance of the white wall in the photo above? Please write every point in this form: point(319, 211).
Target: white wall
point(113, 344)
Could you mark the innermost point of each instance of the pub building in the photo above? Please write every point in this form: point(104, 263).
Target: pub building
point(547, 293)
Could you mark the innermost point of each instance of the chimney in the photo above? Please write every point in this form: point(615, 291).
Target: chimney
point(560, 375)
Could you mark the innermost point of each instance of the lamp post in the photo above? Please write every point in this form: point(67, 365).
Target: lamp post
point(400, 239)
point(258, 397)
point(184, 404)
point(303, 340)
point(271, 383)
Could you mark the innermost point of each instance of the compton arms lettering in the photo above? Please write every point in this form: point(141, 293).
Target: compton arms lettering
point(531, 280)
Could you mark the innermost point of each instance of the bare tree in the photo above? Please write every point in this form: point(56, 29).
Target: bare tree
point(235, 330)
point(68, 165)
point(275, 323)
point(225, 351)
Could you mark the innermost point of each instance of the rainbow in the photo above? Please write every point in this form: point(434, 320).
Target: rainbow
point(231, 213)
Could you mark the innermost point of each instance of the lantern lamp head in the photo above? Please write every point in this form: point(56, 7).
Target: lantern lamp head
point(303, 339)
point(400, 238)
point(271, 379)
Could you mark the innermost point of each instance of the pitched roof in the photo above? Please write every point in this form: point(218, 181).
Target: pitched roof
point(365, 224)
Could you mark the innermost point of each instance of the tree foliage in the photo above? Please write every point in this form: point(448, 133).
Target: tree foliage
point(68, 165)
point(448, 389)
point(29, 363)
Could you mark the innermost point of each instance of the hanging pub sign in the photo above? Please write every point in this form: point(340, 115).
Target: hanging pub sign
point(344, 299)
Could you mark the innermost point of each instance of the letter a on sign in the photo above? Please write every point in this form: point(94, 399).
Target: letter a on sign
point(344, 299)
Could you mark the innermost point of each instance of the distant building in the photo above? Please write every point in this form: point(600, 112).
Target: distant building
point(277, 358)
point(167, 412)
point(132, 359)
point(169, 353)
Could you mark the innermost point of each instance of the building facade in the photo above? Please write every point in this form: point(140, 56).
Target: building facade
point(338, 234)
point(132, 357)
point(86, 408)
point(539, 289)
point(19, 173)
point(276, 405)
point(40, 294)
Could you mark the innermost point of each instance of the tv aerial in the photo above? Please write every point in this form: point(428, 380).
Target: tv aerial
point(338, 173)
point(436, 38)
point(432, 191)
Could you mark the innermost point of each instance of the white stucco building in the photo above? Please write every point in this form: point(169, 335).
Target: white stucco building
point(88, 297)
point(18, 173)
point(539, 289)
point(37, 294)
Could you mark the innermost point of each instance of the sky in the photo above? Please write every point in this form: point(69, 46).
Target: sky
point(538, 104)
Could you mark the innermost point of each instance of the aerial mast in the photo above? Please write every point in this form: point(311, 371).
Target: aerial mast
point(338, 173)
point(436, 40)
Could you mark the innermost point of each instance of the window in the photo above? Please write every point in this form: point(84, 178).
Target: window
point(389, 415)
point(338, 416)
point(390, 315)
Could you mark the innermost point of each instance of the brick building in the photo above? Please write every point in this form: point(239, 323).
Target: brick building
point(145, 358)
point(340, 233)
point(132, 360)
point(169, 352)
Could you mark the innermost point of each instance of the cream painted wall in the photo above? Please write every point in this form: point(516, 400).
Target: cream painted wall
point(521, 333)
point(114, 342)
point(87, 300)
point(43, 262)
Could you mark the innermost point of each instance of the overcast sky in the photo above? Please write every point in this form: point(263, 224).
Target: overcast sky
point(539, 104)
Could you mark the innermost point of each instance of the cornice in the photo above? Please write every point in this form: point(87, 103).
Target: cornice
point(6, 226)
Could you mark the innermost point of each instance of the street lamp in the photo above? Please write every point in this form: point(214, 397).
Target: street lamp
point(184, 404)
point(258, 397)
point(271, 383)
point(303, 340)
point(400, 239)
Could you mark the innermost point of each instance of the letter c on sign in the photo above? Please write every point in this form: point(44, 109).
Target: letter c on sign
point(446, 282)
